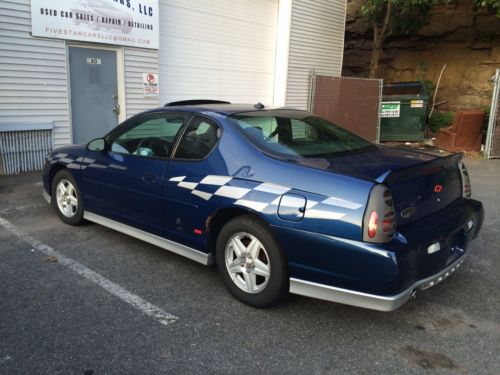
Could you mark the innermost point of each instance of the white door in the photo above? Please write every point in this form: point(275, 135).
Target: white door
point(218, 49)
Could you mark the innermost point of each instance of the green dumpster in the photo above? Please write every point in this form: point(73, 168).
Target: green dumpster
point(403, 110)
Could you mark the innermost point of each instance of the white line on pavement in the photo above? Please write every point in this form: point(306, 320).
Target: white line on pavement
point(23, 207)
point(132, 299)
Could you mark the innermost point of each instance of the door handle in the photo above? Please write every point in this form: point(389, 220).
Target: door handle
point(117, 109)
point(149, 178)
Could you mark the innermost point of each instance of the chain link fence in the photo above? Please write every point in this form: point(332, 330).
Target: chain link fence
point(492, 147)
point(353, 103)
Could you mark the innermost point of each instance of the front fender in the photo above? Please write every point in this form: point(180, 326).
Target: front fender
point(69, 158)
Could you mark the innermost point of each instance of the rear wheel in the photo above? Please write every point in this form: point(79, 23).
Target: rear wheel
point(251, 262)
point(66, 199)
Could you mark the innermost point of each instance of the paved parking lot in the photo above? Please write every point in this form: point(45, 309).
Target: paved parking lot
point(87, 300)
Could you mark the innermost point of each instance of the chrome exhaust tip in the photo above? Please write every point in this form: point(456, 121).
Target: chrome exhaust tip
point(413, 295)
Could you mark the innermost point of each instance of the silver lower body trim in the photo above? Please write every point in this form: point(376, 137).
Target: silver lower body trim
point(365, 300)
point(153, 239)
point(46, 196)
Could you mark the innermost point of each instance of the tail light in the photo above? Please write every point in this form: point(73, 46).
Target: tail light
point(466, 188)
point(372, 224)
point(379, 220)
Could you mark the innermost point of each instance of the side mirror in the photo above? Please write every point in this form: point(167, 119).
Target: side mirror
point(98, 144)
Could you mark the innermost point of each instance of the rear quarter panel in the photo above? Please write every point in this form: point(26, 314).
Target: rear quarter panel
point(328, 195)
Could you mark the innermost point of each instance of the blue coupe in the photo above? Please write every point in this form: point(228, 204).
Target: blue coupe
point(280, 199)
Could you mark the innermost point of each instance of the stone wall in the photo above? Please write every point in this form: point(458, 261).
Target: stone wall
point(466, 40)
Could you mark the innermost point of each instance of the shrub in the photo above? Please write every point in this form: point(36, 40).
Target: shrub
point(438, 120)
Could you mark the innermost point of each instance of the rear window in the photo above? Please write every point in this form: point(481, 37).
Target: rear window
point(298, 136)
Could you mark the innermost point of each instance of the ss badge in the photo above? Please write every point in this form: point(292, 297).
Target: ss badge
point(408, 212)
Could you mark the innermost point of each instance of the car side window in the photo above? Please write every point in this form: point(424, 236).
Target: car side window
point(261, 124)
point(151, 135)
point(302, 131)
point(198, 140)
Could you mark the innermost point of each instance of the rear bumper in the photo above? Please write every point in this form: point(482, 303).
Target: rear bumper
point(365, 300)
point(382, 276)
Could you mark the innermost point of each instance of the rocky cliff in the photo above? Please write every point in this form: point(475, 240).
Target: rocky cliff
point(465, 39)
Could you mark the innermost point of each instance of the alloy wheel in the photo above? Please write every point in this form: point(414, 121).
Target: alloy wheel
point(67, 200)
point(247, 262)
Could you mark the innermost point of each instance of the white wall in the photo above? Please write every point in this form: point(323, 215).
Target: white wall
point(209, 49)
point(218, 49)
point(34, 83)
point(227, 50)
point(316, 42)
point(33, 79)
point(136, 62)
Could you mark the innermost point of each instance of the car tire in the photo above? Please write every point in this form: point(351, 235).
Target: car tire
point(66, 198)
point(246, 251)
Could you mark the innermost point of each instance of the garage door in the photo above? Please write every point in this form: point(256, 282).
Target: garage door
point(218, 49)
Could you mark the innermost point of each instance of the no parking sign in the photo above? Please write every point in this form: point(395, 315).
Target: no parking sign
point(150, 84)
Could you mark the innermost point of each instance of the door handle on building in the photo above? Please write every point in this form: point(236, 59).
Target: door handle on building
point(117, 109)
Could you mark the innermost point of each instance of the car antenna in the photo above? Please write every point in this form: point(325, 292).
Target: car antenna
point(259, 105)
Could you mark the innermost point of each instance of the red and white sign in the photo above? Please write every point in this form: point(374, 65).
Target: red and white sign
point(150, 77)
point(150, 84)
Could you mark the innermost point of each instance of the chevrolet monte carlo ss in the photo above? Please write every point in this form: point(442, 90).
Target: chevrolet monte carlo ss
point(280, 199)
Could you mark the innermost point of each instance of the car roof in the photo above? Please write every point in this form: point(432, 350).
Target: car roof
point(224, 109)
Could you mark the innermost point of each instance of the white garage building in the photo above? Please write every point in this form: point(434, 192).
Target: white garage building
point(82, 66)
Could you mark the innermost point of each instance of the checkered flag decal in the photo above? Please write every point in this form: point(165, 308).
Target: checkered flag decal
point(81, 162)
point(260, 196)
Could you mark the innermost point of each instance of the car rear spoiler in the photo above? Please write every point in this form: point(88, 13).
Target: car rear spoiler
point(195, 102)
point(426, 167)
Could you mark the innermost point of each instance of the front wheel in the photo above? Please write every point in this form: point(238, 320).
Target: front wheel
point(251, 262)
point(66, 199)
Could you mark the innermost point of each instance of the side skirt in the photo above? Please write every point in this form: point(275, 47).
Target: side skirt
point(46, 196)
point(177, 248)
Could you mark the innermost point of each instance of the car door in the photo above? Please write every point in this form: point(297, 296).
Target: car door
point(188, 203)
point(124, 181)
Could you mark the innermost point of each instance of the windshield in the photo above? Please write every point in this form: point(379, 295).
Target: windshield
point(297, 135)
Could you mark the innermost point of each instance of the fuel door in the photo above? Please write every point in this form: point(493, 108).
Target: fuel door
point(292, 207)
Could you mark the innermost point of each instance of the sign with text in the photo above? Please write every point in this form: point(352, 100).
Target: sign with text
point(132, 23)
point(93, 61)
point(390, 109)
point(417, 104)
point(150, 84)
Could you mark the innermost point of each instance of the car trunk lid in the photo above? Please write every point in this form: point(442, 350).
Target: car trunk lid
point(420, 183)
point(423, 189)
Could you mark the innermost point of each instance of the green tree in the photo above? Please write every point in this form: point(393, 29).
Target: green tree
point(492, 5)
point(394, 17)
point(404, 17)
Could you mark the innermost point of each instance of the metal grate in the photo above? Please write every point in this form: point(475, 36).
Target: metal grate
point(23, 146)
point(492, 148)
point(353, 103)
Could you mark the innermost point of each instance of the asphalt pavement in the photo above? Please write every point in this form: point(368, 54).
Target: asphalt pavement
point(88, 300)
